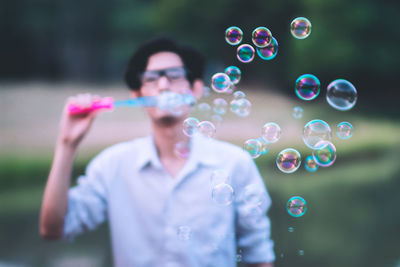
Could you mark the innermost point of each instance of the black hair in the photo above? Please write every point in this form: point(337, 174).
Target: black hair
point(194, 61)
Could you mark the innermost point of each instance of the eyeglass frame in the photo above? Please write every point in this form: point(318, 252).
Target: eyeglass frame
point(164, 72)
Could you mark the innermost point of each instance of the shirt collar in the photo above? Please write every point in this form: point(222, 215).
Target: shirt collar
point(202, 152)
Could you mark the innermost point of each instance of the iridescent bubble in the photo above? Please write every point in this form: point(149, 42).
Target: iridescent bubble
point(296, 206)
point(341, 95)
point(234, 74)
point(271, 132)
point(261, 37)
point(315, 131)
point(190, 126)
point(264, 145)
point(288, 160)
point(301, 252)
point(182, 149)
point(184, 233)
point(254, 194)
point(207, 128)
point(270, 51)
point(307, 87)
point(324, 153)
point(297, 112)
point(253, 146)
point(220, 106)
point(291, 229)
point(219, 177)
point(241, 107)
point(216, 119)
point(238, 95)
point(344, 130)
point(300, 28)
point(222, 194)
point(310, 164)
point(220, 82)
point(245, 53)
point(233, 35)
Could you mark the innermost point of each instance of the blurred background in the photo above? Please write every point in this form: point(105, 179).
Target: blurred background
point(53, 49)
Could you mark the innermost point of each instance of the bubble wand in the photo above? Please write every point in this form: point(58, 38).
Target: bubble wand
point(165, 101)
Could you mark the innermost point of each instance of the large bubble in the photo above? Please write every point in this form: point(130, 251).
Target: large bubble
point(245, 53)
point(190, 126)
point(288, 160)
point(341, 94)
point(253, 146)
point(220, 82)
point(233, 35)
point(296, 206)
point(261, 37)
point(315, 131)
point(300, 28)
point(270, 51)
point(234, 74)
point(222, 194)
point(271, 132)
point(307, 87)
point(324, 153)
point(344, 130)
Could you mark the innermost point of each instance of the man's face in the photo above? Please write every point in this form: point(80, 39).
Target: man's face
point(164, 72)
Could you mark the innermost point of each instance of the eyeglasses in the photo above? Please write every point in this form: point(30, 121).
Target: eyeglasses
point(175, 74)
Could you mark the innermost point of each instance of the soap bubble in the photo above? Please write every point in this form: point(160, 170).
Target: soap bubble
point(270, 51)
point(296, 206)
point(307, 87)
point(190, 126)
point(182, 149)
point(297, 112)
point(245, 53)
point(234, 74)
point(324, 153)
point(220, 106)
point(253, 146)
point(341, 95)
point(301, 252)
point(207, 128)
point(238, 95)
point(241, 107)
point(264, 145)
point(261, 37)
point(288, 160)
point(220, 82)
point(184, 233)
point(238, 258)
point(300, 28)
point(271, 132)
point(315, 131)
point(291, 229)
point(310, 164)
point(344, 130)
point(222, 194)
point(233, 35)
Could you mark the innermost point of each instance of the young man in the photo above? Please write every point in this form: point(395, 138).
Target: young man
point(149, 194)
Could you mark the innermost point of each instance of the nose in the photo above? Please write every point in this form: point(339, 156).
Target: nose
point(163, 83)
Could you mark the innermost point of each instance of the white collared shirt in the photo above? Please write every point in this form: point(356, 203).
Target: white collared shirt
point(148, 210)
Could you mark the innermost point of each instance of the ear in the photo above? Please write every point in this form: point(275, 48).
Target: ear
point(197, 88)
point(135, 93)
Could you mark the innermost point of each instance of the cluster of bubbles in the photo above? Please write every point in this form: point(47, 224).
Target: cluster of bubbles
point(192, 125)
point(265, 44)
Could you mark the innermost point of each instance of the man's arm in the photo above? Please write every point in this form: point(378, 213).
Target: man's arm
point(55, 198)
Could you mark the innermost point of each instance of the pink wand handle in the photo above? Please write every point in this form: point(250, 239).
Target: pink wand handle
point(104, 103)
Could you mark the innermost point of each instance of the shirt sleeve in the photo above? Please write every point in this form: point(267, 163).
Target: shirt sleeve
point(87, 201)
point(253, 228)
